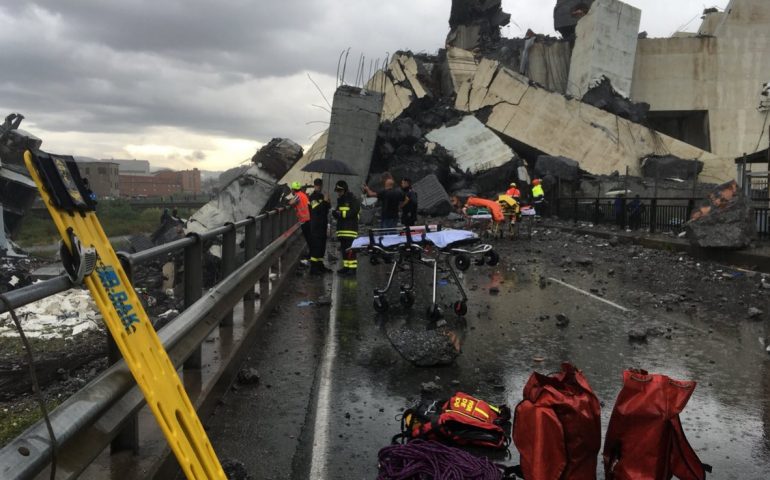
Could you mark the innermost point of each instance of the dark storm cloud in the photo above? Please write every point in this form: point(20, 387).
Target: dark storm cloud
point(211, 67)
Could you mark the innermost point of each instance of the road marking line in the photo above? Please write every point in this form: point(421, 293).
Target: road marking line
point(624, 309)
point(319, 454)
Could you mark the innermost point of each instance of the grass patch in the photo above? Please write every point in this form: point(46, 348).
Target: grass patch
point(16, 418)
point(118, 217)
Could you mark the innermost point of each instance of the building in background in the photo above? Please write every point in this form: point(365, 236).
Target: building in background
point(161, 184)
point(101, 175)
point(132, 167)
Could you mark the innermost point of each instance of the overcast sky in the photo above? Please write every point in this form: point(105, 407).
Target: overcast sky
point(187, 83)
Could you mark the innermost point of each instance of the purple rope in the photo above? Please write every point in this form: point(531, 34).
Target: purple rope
point(422, 459)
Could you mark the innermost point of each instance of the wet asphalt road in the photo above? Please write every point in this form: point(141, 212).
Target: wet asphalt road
point(505, 337)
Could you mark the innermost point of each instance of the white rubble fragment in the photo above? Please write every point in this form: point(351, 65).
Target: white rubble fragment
point(474, 146)
point(64, 315)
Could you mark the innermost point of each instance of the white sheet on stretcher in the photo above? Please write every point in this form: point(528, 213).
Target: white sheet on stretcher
point(441, 239)
point(481, 216)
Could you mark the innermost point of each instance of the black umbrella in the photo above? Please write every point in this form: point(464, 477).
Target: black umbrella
point(327, 165)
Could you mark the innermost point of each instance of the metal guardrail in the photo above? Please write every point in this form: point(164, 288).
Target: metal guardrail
point(113, 397)
point(657, 214)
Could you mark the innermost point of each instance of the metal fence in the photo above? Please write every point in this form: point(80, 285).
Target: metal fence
point(664, 215)
point(104, 412)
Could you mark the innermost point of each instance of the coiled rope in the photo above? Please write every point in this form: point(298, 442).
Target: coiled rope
point(422, 459)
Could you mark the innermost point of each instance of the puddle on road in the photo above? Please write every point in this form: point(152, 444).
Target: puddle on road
point(727, 420)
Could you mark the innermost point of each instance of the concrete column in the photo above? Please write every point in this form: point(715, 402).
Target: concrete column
point(605, 44)
point(352, 133)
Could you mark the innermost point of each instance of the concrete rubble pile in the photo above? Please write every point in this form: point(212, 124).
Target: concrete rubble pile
point(485, 110)
point(17, 190)
point(725, 221)
point(669, 166)
point(250, 193)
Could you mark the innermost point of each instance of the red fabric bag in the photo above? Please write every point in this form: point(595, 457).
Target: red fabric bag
point(645, 440)
point(557, 427)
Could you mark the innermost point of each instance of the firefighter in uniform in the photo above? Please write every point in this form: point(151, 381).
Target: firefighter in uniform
point(538, 196)
point(301, 205)
point(319, 222)
point(346, 215)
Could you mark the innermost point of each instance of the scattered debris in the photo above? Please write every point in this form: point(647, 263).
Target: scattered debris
point(670, 166)
point(725, 221)
point(755, 313)
point(602, 95)
point(432, 199)
point(430, 387)
point(248, 376)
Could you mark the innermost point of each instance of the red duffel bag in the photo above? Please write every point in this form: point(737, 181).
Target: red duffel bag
point(645, 440)
point(557, 427)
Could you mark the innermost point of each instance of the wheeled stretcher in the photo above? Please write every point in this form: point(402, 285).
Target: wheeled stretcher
point(439, 250)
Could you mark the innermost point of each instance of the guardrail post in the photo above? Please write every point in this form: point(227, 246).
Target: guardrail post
point(250, 250)
point(596, 211)
point(228, 265)
point(128, 437)
point(653, 214)
point(690, 208)
point(575, 211)
point(264, 241)
point(193, 289)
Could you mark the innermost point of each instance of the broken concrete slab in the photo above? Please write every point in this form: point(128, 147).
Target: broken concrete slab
point(355, 121)
point(474, 146)
point(278, 156)
point(400, 83)
point(476, 23)
point(558, 126)
point(605, 45)
point(432, 199)
point(461, 65)
point(669, 166)
point(316, 151)
point(246, 195)
point(725, 221)
point(558, 167)
point(601, 94)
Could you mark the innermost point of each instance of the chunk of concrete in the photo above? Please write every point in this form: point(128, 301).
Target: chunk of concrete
point(605, 45)
point(601, 94)
point(476, 23)
point(669, 166)
point(355, 121)
point(399, 85)
point(559, 126)
point(558, 167)
point(432, 199)
point(278, 156)
point(725, 221)
point(295, 173)
point(567, 13)
point(474, 146)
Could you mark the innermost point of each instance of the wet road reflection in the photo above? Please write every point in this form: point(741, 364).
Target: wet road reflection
point(510, 331)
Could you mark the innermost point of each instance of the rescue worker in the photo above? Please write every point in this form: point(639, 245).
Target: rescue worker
point(390, 200)
point(538, 196)
point(346, 215)
point(319, 222)
point(409, 205)
point(301, 204)
point(513, 191)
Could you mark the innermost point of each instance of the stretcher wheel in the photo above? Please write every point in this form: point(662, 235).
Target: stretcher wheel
point(406, 299)
point(434, 312)
point(460, 308)
point(492, 258)
point(380, 304)
point(462, 262)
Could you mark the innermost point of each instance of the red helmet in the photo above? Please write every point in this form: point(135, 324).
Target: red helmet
point(536, 181)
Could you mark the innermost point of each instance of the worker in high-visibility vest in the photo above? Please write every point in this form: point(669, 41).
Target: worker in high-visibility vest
point(538, 196)
point(301, 204)
point(346, 214)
